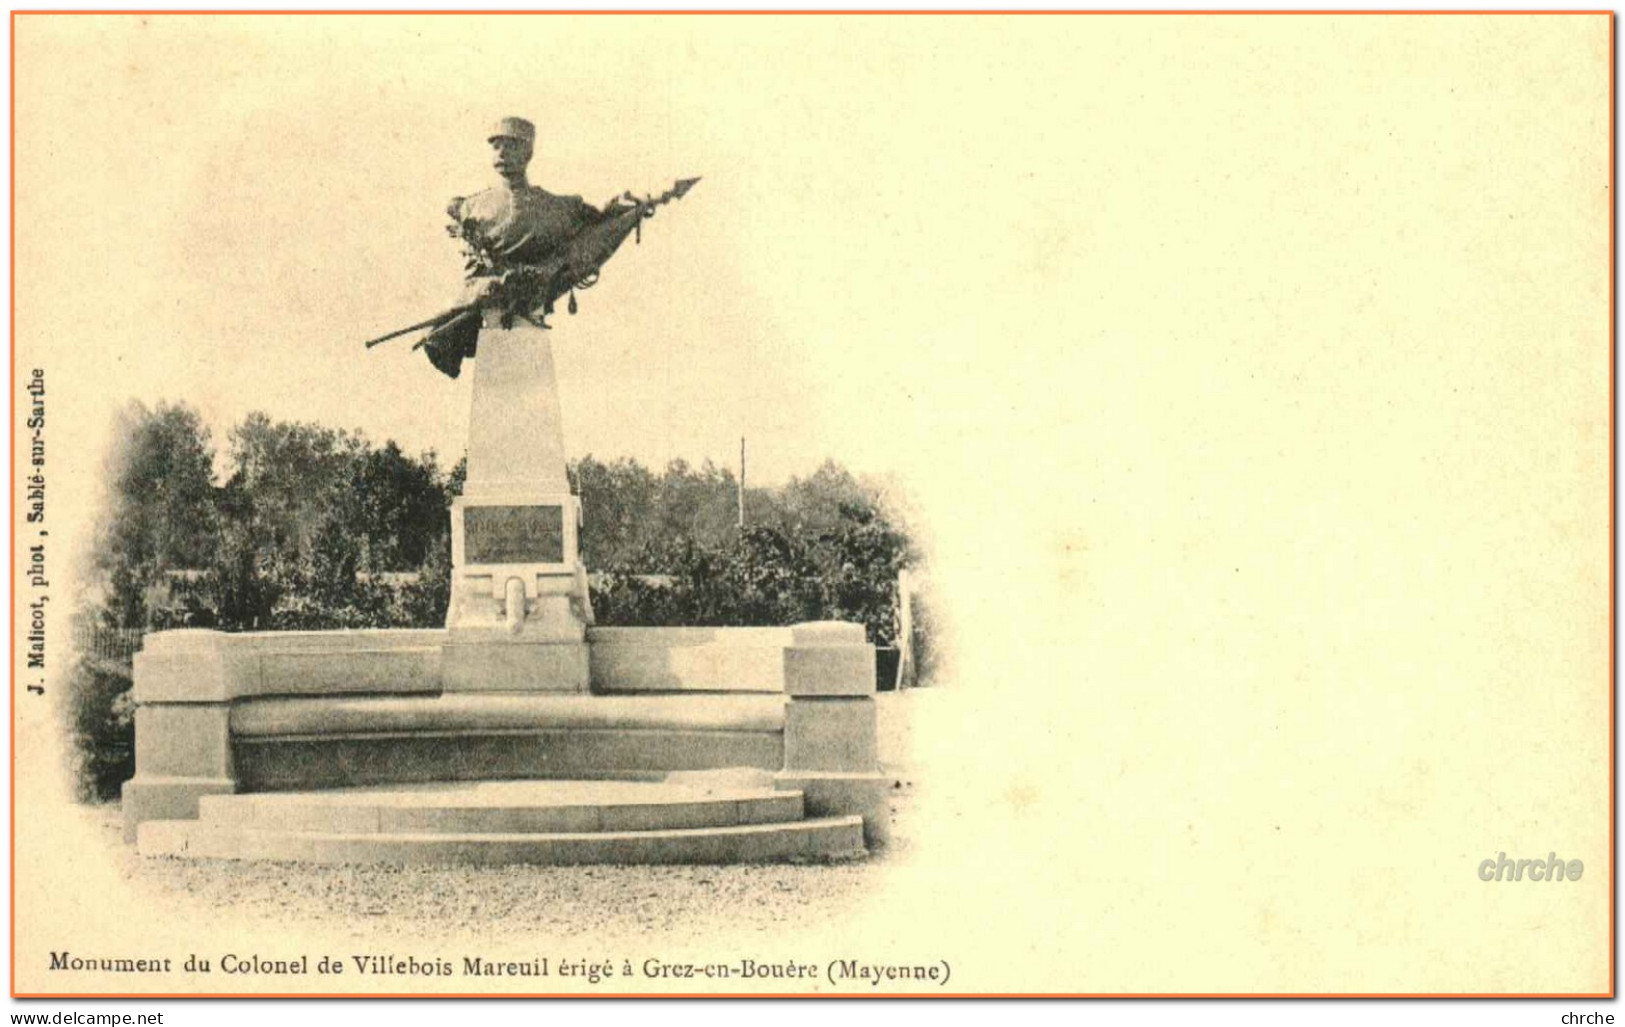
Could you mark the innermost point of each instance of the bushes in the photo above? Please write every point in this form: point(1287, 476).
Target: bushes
point(101, 729)
point(767, 576)
point(761, 577)
point(318, 529)
point(100, 718)
point(821, 548)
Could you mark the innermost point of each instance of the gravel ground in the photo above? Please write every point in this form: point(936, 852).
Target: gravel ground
point(524, 901)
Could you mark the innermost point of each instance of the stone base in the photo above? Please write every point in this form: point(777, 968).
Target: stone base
point(829, 670)
point(830, 735)
point(504, 666)
point(825, 838)
point(536, 755)
point(544, 607)
point(301, 743)
point(829, 794)
point(167, 798)
point(222, 713)
point(691, 818)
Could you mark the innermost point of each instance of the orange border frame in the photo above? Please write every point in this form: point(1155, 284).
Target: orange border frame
point(839, 995)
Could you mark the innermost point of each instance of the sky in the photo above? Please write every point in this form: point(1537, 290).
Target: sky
point(1069, 282)
point(248, 214)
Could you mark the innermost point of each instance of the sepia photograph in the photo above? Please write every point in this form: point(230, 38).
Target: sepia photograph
point(812, 504)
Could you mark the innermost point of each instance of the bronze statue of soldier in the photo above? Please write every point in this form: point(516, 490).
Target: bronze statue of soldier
point(524, 247)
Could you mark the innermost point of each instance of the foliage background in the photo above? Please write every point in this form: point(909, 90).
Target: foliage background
point(316, 528)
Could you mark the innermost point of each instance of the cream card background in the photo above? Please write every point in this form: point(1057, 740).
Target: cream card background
point(1250, 374)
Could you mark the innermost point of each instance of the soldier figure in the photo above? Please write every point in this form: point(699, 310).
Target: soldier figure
point(517, 235)
point(525, 248)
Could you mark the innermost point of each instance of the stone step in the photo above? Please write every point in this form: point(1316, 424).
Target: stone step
point(504, 807)
point(824, 838)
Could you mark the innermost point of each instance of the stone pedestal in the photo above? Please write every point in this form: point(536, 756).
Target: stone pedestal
point(182, 753)
point(519, 605)
point(830, 748)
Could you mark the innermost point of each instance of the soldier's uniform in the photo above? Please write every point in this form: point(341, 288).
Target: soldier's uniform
point(524, 228)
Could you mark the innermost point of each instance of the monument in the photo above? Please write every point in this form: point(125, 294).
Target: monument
point(521, 732)
point(519, 600)
point(519, 597)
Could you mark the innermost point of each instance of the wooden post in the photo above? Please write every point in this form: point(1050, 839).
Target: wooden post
point(905, 631)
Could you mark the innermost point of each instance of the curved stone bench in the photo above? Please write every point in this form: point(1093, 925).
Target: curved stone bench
point(487, 712)
point(221, 713)
point(341, 741)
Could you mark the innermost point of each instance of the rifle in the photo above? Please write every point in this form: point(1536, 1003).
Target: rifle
point(432, 322)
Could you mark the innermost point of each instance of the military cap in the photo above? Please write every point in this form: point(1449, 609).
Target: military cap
point(513, 128)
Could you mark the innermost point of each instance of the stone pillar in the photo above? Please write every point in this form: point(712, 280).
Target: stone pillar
point(519, 606)
point(183, 751)
point(830, 748)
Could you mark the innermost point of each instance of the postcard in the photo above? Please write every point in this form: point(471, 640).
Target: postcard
point(812, 504)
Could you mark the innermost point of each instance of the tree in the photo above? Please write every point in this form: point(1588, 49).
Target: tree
point(823, 547)
point(827, 498)
point(303, 534)
point(160, 514)
point(159, 517)
point(858, 564)
point(618, 503)
point(278, 539)
point(314, 524)
point(398, 505)
point(696, 504)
